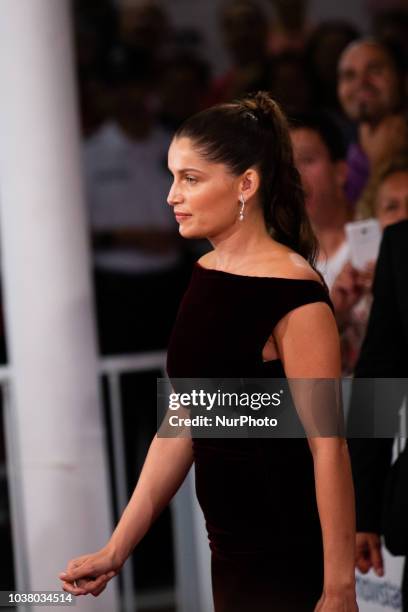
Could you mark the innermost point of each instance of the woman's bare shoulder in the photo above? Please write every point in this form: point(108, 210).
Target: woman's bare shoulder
point(282, 263)
point(288, 264)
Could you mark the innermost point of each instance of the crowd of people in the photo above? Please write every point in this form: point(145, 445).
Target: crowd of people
point(140, 78)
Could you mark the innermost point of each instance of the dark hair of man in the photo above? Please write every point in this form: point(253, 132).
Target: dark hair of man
point(321, 123)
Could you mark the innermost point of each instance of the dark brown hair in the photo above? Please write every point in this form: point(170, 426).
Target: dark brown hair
point(253, 133)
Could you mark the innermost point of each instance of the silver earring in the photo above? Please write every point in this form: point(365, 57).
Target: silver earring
point(242, 207)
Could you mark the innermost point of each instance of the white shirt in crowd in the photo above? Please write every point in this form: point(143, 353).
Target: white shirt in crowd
point(127, 183)
point(330, 267)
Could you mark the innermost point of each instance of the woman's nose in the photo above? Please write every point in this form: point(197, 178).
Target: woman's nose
point(174, 197)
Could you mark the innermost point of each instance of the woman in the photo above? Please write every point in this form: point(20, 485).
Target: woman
point(255, 308)
point(386, 196)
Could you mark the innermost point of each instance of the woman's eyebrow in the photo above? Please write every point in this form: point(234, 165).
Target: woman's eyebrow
point(186, 169)
point(191, 170)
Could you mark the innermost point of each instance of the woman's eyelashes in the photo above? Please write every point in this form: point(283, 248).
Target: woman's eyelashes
point(187, 178)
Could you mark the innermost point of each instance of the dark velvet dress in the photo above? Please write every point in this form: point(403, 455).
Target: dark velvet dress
point(257, 495)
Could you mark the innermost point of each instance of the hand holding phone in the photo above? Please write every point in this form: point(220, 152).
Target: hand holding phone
point(364, 238)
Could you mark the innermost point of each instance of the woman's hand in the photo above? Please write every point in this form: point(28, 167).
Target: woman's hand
point(90, 573)
point(366, 277)
point(343, 600)
point(349, 287)
point(385, 140)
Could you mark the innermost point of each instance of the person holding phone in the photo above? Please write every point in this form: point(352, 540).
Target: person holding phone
point(385, 199)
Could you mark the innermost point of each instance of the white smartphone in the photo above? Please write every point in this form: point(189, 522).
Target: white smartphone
point(364, 238)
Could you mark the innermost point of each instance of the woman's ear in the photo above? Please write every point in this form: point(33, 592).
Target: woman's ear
point(249, 183)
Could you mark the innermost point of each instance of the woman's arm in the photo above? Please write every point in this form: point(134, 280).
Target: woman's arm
point(166, 466)
point(308, 345)
point(335, 501)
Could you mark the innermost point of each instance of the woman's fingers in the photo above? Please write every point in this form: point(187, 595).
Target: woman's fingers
point(95, 585)
point(68, 587)
point(84, 570)
point(99, 591)
point(83, 587)
point(69, 575)
point(88, 574)
point(76, 563)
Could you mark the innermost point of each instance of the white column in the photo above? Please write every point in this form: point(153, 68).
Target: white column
point(50, 327)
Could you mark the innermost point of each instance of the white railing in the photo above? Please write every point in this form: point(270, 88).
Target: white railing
point(113, 369)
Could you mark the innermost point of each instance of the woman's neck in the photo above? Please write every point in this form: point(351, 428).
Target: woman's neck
point(242, 245)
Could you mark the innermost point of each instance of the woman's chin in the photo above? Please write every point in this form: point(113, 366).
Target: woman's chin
point(190, 233)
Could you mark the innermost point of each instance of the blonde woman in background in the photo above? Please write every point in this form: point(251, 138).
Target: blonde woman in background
point(386, 196)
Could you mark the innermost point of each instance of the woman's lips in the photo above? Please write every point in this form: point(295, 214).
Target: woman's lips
point(181, 216)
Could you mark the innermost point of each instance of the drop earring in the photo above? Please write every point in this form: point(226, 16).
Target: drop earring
point(242, 207)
